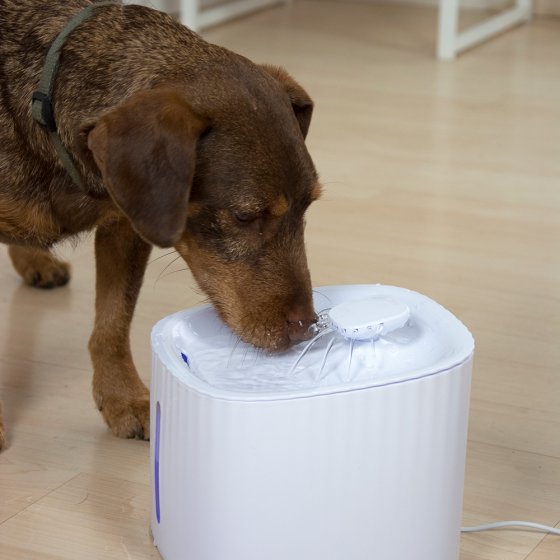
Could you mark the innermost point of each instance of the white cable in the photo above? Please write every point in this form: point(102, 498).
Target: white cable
point(502, 524)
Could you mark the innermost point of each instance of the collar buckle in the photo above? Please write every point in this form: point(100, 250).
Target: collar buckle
point(45, 115)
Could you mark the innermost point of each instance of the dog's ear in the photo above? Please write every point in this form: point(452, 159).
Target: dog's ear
point(301, 102)
point(145, 149)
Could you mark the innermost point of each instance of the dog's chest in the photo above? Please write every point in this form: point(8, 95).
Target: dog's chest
point(42, 223)
point(27, 222)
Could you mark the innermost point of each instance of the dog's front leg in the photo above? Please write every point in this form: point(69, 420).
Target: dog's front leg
point(121, 258)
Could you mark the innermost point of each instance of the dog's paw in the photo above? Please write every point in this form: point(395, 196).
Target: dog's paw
point(39, 268)
point(48, 278)
point(127, 418)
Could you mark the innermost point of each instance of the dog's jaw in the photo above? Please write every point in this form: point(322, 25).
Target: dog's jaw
point(268, 311)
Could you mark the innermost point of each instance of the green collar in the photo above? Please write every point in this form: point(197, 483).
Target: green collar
point(42, 106)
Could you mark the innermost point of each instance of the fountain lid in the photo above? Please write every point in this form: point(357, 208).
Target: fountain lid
point(412, 337)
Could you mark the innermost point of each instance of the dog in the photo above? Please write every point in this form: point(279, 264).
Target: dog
point(179, 143)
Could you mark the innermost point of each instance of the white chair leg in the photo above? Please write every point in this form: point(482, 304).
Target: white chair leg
point(448, 28)
point(527, 7)
point(189, 13)
point(451, 42)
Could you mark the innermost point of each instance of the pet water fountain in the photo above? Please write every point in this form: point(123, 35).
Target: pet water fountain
point(348, 447)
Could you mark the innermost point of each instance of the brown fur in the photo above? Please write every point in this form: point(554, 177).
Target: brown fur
point(180, 143)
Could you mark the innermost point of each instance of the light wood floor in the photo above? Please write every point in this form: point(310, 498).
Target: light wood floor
point(440, 177)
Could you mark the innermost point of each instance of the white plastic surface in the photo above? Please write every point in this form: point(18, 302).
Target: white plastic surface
point(219, 364)
point(369, 318)
point(366, 469)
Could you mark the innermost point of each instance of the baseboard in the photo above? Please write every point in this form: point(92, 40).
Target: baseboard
point(547, 7)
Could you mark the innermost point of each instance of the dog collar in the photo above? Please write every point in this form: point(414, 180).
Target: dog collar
point(42, 105)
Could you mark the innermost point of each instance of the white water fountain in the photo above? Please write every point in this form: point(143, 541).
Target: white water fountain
point(348, 447)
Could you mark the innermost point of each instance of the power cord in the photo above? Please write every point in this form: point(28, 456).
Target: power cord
point(503, 524)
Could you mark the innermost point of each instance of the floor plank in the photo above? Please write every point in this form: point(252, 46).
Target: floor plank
point(441, 177)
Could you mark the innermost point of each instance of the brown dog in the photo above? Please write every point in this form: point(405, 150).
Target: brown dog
point(179, 143)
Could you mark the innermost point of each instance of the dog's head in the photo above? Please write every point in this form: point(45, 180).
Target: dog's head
point(226, 181)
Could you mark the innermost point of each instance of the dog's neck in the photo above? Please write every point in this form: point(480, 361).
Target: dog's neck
point(42, 103)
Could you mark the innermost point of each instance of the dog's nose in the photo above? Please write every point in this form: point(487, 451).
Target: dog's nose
point(299, 327)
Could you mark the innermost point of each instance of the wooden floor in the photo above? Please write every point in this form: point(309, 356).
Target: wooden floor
point(440, 177)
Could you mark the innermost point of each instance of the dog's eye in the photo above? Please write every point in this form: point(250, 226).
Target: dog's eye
point(245, 217)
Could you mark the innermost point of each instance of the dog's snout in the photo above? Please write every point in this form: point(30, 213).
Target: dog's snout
point(299, 326)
